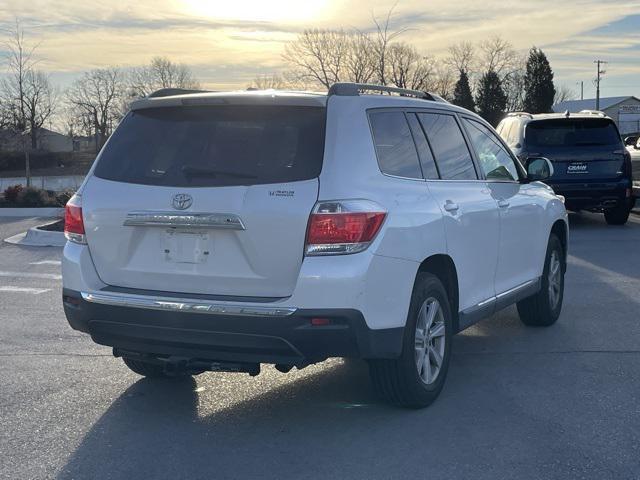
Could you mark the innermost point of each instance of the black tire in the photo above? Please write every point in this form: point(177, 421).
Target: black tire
point(540, 310)
point(618, 215)
point(398, 381)
point(146, 369)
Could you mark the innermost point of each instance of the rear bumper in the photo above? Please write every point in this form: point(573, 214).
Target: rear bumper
point(594, 195)
point(276, 336)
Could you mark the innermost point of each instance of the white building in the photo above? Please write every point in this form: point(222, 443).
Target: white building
point(625, 111)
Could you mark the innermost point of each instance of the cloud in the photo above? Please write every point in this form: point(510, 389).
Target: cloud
point(224, 50)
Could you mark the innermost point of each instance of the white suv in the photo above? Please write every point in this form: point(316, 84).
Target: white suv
point(219, 231)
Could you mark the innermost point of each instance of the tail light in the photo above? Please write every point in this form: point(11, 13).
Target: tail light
point(628, 168)
point(343, 227)
point(73, 223)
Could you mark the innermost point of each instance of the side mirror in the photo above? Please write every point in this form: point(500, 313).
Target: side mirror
point(539, 169)
point(630, 141)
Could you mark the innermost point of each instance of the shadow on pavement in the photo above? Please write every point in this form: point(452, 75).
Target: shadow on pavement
point(159, 429)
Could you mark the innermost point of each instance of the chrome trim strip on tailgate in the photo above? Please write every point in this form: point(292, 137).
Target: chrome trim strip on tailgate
point(185, 305)
point(145, 218)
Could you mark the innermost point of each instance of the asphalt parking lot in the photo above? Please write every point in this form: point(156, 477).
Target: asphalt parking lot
point(562, 402)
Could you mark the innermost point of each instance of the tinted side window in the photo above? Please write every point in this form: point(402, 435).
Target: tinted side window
point(427, 161)
point(394, 145)
point(494, 160)
point(449, 147)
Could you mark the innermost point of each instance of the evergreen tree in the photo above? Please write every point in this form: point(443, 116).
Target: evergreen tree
point(491, 100)
point(462, 94)
point(538, 83)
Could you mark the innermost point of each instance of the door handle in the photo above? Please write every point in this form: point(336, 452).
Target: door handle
point(503, 203)
point(450, 206)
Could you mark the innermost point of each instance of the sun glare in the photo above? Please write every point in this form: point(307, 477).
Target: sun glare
point(257, 10)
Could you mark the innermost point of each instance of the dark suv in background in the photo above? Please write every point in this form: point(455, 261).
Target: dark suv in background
point(592, 167)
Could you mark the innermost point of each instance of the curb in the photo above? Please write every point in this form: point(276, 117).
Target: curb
point(38, 238)
point(32, 212)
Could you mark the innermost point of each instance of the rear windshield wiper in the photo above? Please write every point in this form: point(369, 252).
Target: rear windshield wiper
point(212, 172)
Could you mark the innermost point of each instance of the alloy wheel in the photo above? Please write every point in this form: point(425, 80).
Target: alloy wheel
point(554, 279)
point(430, 341)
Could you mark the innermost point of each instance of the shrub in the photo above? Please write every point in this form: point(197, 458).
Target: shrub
point(34, 197)
point(63, 197)
point(11, 193)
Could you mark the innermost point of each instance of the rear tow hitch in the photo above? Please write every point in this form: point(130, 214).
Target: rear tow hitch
point(176, 365)
point(252, 369)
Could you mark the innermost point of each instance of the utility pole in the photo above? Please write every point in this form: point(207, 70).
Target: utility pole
point(600, 73)
point(581, 83)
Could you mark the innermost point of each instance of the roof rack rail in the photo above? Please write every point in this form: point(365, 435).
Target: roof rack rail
point(519, 114)
point(170, 92)
point(593, 112)
point(348, 89)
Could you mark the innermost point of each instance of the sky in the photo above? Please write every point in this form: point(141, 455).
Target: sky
point(227, 43)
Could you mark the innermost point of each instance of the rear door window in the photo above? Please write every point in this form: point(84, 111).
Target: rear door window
point(568, 132)
point(428, 163)
point(449, 146)
point(394, 145)
point(215, 146)
point(494, 160)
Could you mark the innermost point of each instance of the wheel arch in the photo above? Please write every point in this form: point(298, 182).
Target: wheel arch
point(443, 267)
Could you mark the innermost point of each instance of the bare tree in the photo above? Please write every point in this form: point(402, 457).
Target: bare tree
point(324, 57)
point(39, 102)
point(5, 114)
point(360, 63)
point(266, 82)
point(318, 56)
point(383, 39)
point(408, 69)
point(28, 100)
point(96, 97)
point(20, 61)
point(513, 83)
point(498, 55)
point(564, 93)
point(160, 73)
point(461, 56)
point(445, 81)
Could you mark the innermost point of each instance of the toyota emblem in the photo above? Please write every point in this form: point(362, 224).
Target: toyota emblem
point(182, 201)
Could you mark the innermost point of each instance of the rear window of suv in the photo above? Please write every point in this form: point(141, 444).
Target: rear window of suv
point(204, 146)
point(571, 132)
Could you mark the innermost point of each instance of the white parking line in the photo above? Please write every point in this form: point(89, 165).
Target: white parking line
point(46, 262)
point(48, 276)
point(35, 291)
